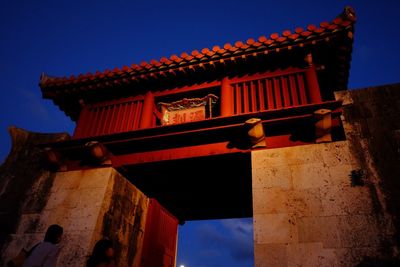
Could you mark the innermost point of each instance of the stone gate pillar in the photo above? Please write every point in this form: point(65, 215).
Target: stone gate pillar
point(307, 212)
point(89, 204)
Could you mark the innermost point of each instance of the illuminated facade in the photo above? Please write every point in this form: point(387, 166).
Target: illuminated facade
point(251, 129)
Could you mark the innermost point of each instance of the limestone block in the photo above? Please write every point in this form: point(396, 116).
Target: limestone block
point(345, 200)
point(340, 174)
point(45, 218)
point(271, 255)
point(319, 229)
point(74, 198)
point(270, 157)
point(67, 180)
point(62, 197)
point(350, 257)
point(96, 178)
point(270, 201)
point(28, 223)
point(90, 197)
point(75, 247)
point(83, 202)
point(81, 219)
point(305, 202)
point(43, 181)
point(300, 203)
point(122, 218)
point(272, 176)
point(309, 175)
point(336, 153)
point(286, 156)
point(311, 255)
point(36, 198)
point(280, 228)
point(83, 178)
point(303, 154)
point(358, 231)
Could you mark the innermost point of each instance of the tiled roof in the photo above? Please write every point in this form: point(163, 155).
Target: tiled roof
point(207, 57)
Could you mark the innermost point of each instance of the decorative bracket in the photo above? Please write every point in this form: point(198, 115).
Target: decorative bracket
point(323, 125)
point(256, 132)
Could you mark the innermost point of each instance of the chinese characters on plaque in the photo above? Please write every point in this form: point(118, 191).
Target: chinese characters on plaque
point(186, 110)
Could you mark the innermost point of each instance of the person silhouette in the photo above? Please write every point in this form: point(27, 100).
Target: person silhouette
point(103, 255)
point(45, 254)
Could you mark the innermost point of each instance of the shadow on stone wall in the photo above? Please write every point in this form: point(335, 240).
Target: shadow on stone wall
point(24, 183)
point(370, 262)
point(372, 119)
point(124, 221)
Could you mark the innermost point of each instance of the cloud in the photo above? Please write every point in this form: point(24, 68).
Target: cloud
point(234, 236)
point(241, 238)
point(239, 226)
point(34, 104)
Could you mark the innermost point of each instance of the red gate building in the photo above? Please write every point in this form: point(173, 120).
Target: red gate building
point(201, 114)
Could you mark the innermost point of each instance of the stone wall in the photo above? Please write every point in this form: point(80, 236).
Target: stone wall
point(334, 204)
point(371, 118)
point(124, 220)
point(306, 210)
point(88, 204)
point(24, 182)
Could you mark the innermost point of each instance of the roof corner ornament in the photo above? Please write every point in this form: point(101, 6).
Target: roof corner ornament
point(348, 14)
point(43, 77)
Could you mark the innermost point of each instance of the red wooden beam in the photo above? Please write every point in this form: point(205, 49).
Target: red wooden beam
point(173, 154)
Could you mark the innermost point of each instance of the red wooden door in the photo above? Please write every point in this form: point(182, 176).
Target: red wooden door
point(160, 237)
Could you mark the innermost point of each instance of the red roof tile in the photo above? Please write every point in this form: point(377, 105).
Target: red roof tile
point(261, 45)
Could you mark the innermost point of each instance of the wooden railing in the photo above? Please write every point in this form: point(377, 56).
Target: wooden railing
point(108, 118)
point(248, 94)
point(269, 92)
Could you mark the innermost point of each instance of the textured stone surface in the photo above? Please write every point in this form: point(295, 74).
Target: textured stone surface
point(90, 205)
point(123, 220)
point(24, 183)
point(339, 221)
point(314, 215)
point(372, 123)
point(280, 229)
point(270, 255)
point(311, 254)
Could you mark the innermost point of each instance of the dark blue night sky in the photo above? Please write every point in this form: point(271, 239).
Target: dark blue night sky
point(61, 38)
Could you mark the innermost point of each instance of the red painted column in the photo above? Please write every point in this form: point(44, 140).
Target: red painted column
point(312, 84)
point(226, 98)
point(314, 91)
point(147, 112)
point(82, 123)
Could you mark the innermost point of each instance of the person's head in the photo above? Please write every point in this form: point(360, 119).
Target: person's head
point(53, 234)
point(103, 251)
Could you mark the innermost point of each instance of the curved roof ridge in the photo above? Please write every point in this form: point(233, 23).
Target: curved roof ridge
point(275, 41)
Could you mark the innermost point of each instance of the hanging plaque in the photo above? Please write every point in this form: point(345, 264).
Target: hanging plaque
point(186, 110)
